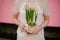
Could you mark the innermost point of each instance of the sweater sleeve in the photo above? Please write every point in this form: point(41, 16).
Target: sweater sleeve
point(15, 7)
point(45, 8)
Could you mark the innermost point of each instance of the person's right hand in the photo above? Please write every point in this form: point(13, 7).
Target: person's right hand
point(22, 27)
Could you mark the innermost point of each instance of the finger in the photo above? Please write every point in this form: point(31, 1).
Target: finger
point(22, 29)
point(29, 35)
point(35, 32)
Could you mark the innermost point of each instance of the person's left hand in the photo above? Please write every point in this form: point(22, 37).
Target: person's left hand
point(36, 31)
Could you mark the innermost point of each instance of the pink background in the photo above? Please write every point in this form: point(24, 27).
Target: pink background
point(54, 10)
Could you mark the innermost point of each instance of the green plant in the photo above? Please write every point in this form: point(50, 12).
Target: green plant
point(31, 16)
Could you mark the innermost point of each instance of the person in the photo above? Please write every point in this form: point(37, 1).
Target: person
point(19, 11)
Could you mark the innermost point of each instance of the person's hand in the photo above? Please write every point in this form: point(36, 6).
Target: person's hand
point(29, 31)
point(29, 34)
point(37, 29)
point(22, 27)
point(34, 32)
